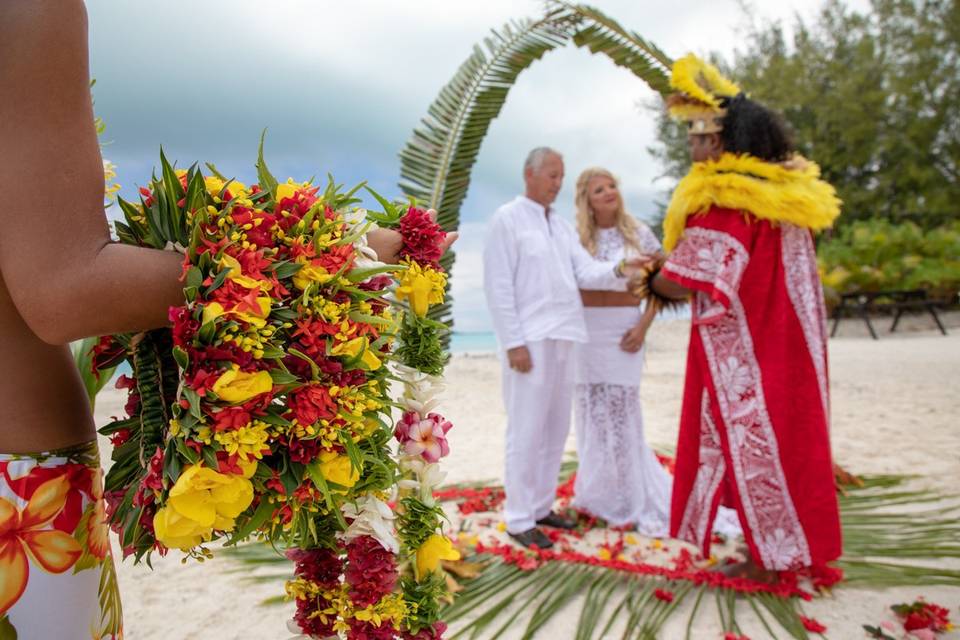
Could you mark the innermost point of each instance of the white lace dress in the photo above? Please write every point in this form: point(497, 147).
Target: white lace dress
point(619, 477)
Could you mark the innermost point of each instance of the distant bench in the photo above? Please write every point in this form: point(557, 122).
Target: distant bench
point(898, 302)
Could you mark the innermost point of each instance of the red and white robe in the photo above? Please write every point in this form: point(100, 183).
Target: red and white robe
point(754, 426)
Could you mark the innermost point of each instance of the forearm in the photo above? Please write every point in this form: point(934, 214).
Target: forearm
point(646, 318)
point(667, 288)
point(599, 275)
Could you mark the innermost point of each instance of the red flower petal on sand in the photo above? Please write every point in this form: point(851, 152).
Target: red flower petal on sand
point(663, 594)
point(812, 625)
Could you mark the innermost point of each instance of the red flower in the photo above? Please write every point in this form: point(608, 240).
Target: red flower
point(184, 326)
point(230, 419)
point(812, 625)
point(733, 636)
point(154, 476)
point(923, 615)
point(120, 436)
point(106, 353)
point(310, 404)
point(371, 571)
point(317, 565)
point(663, 594)
point(147, 196)
point(422, 238)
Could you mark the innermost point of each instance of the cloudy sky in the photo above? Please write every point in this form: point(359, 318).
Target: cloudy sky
point(340, 85)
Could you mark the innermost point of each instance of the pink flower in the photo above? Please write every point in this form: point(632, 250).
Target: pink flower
point(423, 436)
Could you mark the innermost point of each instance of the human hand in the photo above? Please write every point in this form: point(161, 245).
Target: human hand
point(639, 265)
point(519, 359)
point(632, 340)
point(388, 242)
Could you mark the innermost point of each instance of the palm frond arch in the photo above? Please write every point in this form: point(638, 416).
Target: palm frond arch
point(436, 163)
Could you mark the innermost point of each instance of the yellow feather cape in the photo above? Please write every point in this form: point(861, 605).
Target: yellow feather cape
point(790, 192)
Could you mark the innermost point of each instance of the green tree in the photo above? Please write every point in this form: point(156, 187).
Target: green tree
point(874, 98)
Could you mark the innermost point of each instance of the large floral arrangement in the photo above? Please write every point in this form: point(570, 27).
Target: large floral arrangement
point(266, 411)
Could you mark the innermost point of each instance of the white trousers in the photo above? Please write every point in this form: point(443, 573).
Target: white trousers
point(538, 405)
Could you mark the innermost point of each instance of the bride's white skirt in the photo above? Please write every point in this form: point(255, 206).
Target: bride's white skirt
point(619, 477)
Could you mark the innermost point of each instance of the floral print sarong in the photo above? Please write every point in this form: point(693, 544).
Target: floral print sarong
point(57, 578)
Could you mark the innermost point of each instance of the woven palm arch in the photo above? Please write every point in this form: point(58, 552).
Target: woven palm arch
point(884, 545)
point(437, 161)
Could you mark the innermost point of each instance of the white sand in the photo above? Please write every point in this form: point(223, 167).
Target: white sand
point(896, 403)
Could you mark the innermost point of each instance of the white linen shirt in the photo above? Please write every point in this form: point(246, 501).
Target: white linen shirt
point(533, 269)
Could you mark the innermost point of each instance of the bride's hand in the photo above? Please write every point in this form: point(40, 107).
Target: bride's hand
point(633, 339)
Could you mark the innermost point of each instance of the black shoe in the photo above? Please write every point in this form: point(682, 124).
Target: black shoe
point(532, 537)
point(557, 521)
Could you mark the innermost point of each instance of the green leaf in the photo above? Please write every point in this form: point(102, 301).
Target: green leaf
point(213, 171)
point(391, 212)
point(7, 630)
point(283, 378)
point(267, 181)
point(313, 471)
point(286, 269)
point(264, 510)
point(183, 360)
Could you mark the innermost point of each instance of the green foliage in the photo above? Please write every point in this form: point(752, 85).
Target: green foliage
point(873, 98)
point(421, 344)
point(875, 255)
point(93, 382)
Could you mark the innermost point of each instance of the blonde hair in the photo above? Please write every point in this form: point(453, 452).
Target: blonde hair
point(587, 222)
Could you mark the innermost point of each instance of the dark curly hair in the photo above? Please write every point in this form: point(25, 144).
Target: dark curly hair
point(749, 127)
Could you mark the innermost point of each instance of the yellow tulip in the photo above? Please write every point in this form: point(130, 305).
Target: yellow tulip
point(239, 386)
point(337, 468)
point(436, 548)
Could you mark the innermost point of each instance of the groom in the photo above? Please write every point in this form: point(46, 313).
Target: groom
point(534, 267)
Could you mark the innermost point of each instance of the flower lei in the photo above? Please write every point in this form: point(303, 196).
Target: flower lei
point(265, 412)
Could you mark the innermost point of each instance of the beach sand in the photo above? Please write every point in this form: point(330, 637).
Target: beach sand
point(895, 406)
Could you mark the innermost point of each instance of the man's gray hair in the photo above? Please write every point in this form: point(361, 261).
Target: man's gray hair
point(536, 157)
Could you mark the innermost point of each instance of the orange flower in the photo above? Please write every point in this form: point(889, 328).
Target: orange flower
point(98, 536)
point(24, 538)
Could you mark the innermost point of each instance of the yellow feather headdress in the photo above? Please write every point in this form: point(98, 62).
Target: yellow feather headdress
point(700, 89)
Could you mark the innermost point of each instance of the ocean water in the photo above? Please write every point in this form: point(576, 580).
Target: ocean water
point(473, 341)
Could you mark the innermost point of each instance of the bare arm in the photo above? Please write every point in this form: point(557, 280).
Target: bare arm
point(66, 278)
point(668, 288)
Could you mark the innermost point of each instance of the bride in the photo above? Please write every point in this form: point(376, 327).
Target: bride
point(619, 478)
